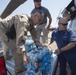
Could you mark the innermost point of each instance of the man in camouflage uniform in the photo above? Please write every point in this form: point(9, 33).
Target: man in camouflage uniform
point(22, 24)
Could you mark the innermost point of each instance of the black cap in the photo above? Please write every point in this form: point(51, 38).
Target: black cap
point(37, 0)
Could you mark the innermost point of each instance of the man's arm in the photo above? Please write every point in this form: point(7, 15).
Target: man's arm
point(51, 41)
point(20, 36)
point(50, 20)
point(65, 48)
point(49, 23)
point(69, 46)
point(35, 37)
point(71, 40)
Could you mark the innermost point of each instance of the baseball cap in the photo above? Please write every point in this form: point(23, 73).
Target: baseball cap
point(37, 0)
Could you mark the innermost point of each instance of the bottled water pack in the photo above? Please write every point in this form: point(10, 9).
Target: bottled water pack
point(39, 61)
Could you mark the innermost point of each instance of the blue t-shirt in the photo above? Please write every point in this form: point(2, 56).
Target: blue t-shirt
point(62, 38)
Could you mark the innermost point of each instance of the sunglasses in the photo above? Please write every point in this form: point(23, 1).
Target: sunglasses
point(64, 24)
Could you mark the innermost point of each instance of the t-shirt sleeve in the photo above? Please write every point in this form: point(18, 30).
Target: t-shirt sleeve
point(32, 11)
point(72, 36)
point(47, 12)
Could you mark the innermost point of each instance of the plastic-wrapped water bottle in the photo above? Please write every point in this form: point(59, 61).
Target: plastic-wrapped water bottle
point(10, 52)
point(0, 44)
point(30, 72)
point(40, 60)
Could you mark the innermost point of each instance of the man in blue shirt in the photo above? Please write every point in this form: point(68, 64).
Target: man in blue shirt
point(66, 42)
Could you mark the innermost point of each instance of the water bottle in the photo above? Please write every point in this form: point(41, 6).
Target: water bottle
point(30, 72)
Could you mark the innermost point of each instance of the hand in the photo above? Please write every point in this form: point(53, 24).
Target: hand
point(25, 59)
point(57, 51)
point(44, 45)
point(48, 28)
